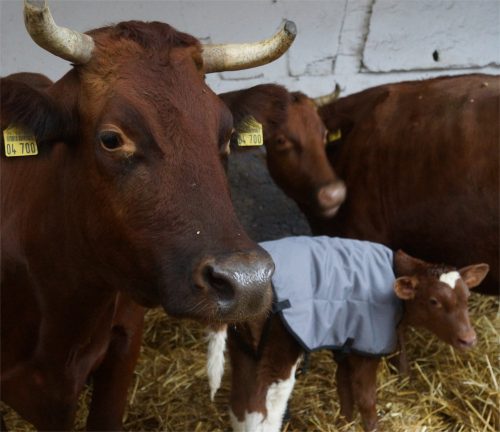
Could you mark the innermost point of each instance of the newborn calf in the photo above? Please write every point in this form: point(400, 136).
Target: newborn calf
point(347, 296)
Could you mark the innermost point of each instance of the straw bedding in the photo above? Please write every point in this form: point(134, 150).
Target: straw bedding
point(447, 391)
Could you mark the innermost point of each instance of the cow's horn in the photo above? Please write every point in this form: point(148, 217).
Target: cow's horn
point(329, 98)
point(65, 43)
point(230, 57)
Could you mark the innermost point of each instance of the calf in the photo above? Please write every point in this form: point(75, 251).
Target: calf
point(329, 293)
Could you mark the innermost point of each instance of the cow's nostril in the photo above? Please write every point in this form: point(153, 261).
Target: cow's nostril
point(217, 280)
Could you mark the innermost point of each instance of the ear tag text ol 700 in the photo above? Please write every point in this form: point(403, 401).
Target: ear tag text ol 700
point(250, 133)
point(19, 141)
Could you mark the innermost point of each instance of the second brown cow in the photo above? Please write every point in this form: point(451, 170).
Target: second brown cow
point(294, 138)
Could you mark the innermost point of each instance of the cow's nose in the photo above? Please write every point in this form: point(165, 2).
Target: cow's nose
point(330, 197)
point(239, 283)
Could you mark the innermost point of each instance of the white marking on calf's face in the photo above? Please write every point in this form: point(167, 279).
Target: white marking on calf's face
point(450, 278)
point(215, 359)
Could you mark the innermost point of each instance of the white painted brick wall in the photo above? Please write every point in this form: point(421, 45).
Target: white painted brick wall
point(357, 43)
point(464, 33)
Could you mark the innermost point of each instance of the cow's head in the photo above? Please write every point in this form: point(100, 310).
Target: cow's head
point(138, 141)
point(295, 138)
point(436, 297)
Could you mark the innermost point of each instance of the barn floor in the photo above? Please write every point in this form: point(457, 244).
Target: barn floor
point(447, 391)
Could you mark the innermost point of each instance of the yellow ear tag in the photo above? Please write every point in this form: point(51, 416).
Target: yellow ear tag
point(250, 133)
point(19, 142)
point(334, 136)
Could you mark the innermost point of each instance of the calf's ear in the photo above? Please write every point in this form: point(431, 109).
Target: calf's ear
point(405, 264)
point(474, 274)
point(405, 287)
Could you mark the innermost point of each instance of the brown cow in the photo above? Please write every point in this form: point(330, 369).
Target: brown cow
point(264, 352)
point(294, 138)
point(125, 202)
point(420, 160)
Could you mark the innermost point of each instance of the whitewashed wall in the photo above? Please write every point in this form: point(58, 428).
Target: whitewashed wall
point(357, 43)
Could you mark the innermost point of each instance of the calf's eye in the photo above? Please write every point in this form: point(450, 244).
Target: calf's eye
point(434, 302)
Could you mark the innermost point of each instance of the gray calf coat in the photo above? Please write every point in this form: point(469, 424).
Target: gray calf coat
point(336, 293)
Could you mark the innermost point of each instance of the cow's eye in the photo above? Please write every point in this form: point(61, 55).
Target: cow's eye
point(282, 144)
point(110, 140)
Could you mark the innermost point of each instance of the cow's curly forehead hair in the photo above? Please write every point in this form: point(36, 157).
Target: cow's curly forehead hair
point(153, 39)
point(149, 35)
point(135, 51)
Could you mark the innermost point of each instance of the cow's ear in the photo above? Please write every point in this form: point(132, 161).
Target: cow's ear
point(405, 287)
point(65, 94)
point(267, 103)
point(36, 110)
point(474, 274)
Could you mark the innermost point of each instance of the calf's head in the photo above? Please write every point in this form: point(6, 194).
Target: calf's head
point(295, 139)
point(436, 297)
point(137, 149)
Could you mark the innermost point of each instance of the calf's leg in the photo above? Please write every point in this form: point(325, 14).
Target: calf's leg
point(243, 369)
point(262, 383)
point(344, 390)
point(400, 360)
point(363, 373)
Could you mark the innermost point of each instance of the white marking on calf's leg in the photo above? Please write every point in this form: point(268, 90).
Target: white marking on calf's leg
point(450, 278)
point(215, 359)
point(276, 401)
point(254, 422)
point(238, 426)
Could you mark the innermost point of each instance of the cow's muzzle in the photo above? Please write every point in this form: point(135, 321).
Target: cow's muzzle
point(236, 285)
point(330, 197)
